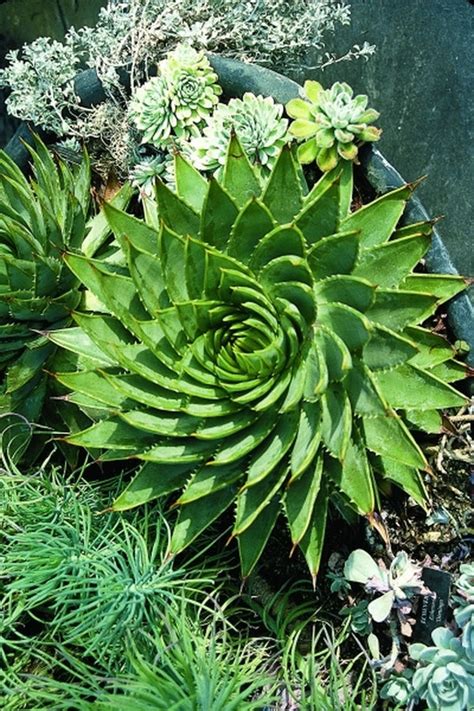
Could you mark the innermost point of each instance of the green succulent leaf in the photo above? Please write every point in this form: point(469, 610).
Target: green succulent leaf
point(240, 179)
point(219, 213)
point(334, 255)
point(196, 516)
point(151, 481)
point(406, 477)
point(450, 371)
point(254, 539)
point(313, 541)
point(389, 437)
point(128, 229)
point(353, 476)
point(285, 179)
point(300, 499)
point(392, 261)
point(442, 286)
point(175, 213)
point(387, 349)
point(425, 420)
point(376, 221)
point(396, 309)
point(410, 387)
point(191, 187)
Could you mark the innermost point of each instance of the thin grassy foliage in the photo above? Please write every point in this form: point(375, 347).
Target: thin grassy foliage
point(95, 615)
point(318, 674)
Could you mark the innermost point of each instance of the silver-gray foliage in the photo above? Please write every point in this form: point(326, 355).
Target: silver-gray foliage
point(41, 80)
point(135, 34)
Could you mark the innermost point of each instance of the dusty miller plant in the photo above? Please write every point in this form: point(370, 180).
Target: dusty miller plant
point(42, 83)
point(136, 33)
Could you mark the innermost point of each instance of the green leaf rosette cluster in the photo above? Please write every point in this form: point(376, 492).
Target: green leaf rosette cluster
point(332, 123)
point(261, 351)
point(445, 676)
point(174, 103)
point(259, 125)
point(39, 219)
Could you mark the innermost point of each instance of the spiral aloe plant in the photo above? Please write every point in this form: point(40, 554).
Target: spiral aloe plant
point(263, 351)
point(39, 219)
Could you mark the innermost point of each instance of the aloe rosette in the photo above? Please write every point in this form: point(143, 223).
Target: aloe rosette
point(40, 218)
point(261, 351)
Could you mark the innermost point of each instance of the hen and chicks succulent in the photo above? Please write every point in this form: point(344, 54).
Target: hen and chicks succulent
point(331, 123)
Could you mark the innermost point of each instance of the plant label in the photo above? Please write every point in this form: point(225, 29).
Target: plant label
point(432, 609)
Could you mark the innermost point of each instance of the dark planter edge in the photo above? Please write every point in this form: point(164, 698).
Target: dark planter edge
point(236, 78)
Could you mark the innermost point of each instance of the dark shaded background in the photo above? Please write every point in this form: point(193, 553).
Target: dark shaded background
point(421, 79)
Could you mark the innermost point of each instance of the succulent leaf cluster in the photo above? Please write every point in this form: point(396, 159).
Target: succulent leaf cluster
point(332, 123)
point(398, 688)
point(444, 678)
point(144, 174)
point(465, 585)
point(258, 123)
point(261, 351)
point(39, 219)
point(173, 103)
point(465, 619)
point(397, 585)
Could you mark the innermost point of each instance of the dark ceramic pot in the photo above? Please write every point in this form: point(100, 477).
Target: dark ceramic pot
point(236, 78)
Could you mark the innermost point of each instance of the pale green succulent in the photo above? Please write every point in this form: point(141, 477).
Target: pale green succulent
point(464, 612)
point(175, 102)
point(361, 621)
point(150, 111)
point(398, 585)
point(143, 175)
point(193, 87)
point(444, 678)
point(398, 689)
point(262, 351)
point(465, 585)
point(465, 619)
point(256, 120)
point(331, 122)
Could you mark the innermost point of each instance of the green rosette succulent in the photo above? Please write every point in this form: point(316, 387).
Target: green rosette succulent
point(151, 113)
point(465, 619)
point(193, 87)
point(398, 689)
point(465, 585)
point(40, 218)
point(331, 123)
point(180, 98)
point(144, 174)
point(444, 677)
point(260, 128)
point(262, 351)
